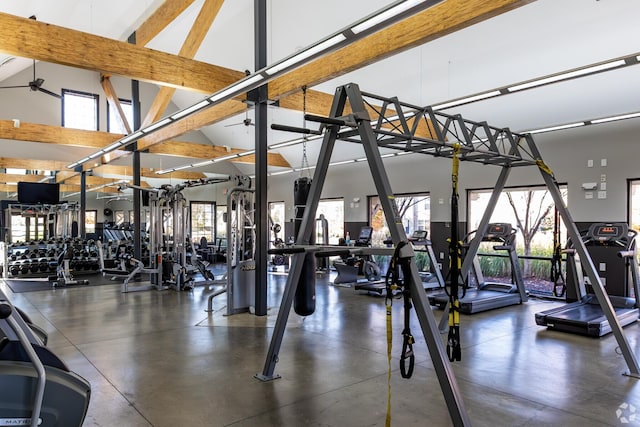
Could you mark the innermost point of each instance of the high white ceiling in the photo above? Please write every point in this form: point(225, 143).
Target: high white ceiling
point(541, 38)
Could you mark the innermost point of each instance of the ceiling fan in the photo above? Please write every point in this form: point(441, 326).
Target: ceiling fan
point(247, 121)
point(35, 85)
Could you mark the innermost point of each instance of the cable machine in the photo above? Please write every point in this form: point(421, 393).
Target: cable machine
point(404, 127)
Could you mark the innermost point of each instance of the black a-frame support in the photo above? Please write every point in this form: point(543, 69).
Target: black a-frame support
point(358, 119)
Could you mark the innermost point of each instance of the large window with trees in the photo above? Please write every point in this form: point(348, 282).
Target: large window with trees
point(90, 218)
point(414, 209)
point(79, 110)
point(203, 221)
point(333, 211)
point(634, 204)
point(530, 211)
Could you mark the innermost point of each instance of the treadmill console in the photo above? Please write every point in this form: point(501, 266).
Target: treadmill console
point(608, 232)
point(497, 232)
point(418, 236)
point(364, 239)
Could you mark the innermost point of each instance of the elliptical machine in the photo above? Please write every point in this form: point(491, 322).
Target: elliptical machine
point(36, 387)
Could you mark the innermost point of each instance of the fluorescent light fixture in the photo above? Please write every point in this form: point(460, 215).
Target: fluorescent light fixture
point(157, 125)
point(236, 88)
point(568, 75)
point(223, 158)
point(380, 18)
point(204, 163)
point(187, 111)
point(246, 153)
point(559, 127)
point(281, 172)
point(615, 118)
point(343, 162)
point(305, 54)
point(384, 156)
point(467, 100)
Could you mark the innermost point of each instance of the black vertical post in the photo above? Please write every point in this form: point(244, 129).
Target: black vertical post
point(137, 122)
point(83, 205)
point(261, 214)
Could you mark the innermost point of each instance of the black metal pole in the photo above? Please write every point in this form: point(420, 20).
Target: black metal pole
point(137, 122)
point(261, 215)
point(83, 205)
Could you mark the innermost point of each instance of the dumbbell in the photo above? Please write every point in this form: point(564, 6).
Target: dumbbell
point(24, 267)
point(14, 269)
point(43, 265)
point(34, 267)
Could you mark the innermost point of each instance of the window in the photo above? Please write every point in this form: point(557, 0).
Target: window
point(414, 209)
point(533, 209)
point(221, 225)
point(118, 217)
point(114, 123)
point(79, 110)
point(203, 221)
point(90, 221)
point(333, 211)
point(276, 216)
point(634, 204)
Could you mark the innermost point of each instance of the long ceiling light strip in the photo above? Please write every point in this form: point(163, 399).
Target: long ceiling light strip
point(587, 70)
point(368, 25)
point(99, 187)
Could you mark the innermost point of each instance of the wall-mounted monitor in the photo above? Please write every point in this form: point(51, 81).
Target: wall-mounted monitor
point(38, 193)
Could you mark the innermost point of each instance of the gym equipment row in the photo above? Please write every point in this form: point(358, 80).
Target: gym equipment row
point(39, 259)
point(38, 388)
point(584, 315)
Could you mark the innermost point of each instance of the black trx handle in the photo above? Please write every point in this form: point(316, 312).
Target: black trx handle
point(407, 338)
point(453, 344)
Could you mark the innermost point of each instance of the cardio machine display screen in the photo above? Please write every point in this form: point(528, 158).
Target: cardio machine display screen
point(419, 235)
point(608, 231)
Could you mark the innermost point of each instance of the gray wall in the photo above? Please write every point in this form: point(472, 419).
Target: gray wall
point(566, 152)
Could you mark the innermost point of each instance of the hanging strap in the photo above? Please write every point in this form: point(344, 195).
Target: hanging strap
point(453, 340)
point(407, 339)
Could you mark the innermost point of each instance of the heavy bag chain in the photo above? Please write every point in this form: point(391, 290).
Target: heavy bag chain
point(453, 341)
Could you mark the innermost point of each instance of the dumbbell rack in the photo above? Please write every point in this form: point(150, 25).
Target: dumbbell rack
point(40, 259)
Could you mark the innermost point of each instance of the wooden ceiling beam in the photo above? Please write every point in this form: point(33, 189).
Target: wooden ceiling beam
point(201, 151)
point(189, 48)
point(58, 45)
point(113, 100)
point(165, 14)
point(12, 177)
point(56, 135)
point(45, 165)
point(193, 122)
point(438, 21)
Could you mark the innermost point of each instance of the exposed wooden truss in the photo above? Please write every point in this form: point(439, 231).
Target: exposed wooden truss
point(74, 48)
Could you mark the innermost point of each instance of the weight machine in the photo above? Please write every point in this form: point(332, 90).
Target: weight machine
point(400, 126)
point(241, 237)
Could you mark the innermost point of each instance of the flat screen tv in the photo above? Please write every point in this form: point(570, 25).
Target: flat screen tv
point(38, 193)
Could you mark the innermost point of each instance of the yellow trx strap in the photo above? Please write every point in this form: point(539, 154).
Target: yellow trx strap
point(543, 167)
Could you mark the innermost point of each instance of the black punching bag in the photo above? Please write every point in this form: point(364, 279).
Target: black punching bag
point(304, 302)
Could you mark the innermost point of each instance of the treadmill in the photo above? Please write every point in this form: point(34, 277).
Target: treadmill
point(585, 316)
point(491, 295)
point(430, 280)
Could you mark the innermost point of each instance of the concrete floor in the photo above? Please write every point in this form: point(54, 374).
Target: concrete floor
point(157, 359)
